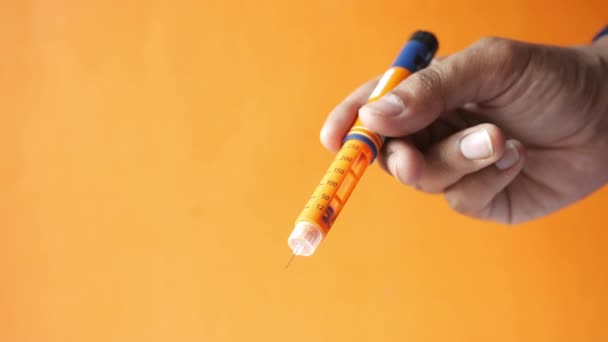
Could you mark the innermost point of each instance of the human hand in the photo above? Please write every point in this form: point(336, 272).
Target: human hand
point(508, 131)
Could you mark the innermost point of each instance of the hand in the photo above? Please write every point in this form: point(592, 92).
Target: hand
point(508, 131)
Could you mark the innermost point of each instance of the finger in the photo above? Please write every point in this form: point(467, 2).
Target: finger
point(468, 151)
point(479, 73)
point(341, 118)
point(447, 124)
point(438, 59)
point(478, 194)
point(401, 159)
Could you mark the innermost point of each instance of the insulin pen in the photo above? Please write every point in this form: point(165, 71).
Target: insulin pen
point(359, 149)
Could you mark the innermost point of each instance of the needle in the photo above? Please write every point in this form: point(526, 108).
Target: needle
point(290, 260)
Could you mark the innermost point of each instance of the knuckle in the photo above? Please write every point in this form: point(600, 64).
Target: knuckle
point(422, 85)
point(425, 80)
point(429, 78)
point(502, 56)
point(488, 41)
point(504, 49)
point(428, 187)
point(460, 203)
point(497, 44)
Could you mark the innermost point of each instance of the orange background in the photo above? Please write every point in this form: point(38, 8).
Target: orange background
point(154, 155)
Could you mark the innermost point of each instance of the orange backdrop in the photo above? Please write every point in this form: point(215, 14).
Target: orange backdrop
point(154, 155)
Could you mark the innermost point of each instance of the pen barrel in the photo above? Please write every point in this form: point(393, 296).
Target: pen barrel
point(337, 184)
point(359, 149)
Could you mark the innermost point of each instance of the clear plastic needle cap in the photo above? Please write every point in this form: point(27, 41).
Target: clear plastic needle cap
point(305, 238)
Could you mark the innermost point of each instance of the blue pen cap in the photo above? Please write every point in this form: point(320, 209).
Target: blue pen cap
point(418, 52)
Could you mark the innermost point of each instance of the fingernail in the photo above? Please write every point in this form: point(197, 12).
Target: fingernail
point(509, 158)
point(324, 133)
point(392, 165)
point(389, 105)
point(476, 145)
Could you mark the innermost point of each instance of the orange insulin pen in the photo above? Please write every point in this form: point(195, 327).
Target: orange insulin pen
point(359, 149)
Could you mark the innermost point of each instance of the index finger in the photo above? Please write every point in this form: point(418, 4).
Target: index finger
point(341, 118)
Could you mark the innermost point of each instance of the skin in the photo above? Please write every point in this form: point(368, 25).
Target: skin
point(543, 109)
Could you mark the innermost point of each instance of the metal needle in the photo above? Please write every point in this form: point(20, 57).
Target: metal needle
point(290, 260)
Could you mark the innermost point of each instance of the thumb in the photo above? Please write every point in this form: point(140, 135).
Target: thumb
point(477, 74)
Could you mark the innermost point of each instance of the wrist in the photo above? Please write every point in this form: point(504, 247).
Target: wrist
point(599, 48)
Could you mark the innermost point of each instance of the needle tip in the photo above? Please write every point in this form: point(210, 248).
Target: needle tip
point(290, 260)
